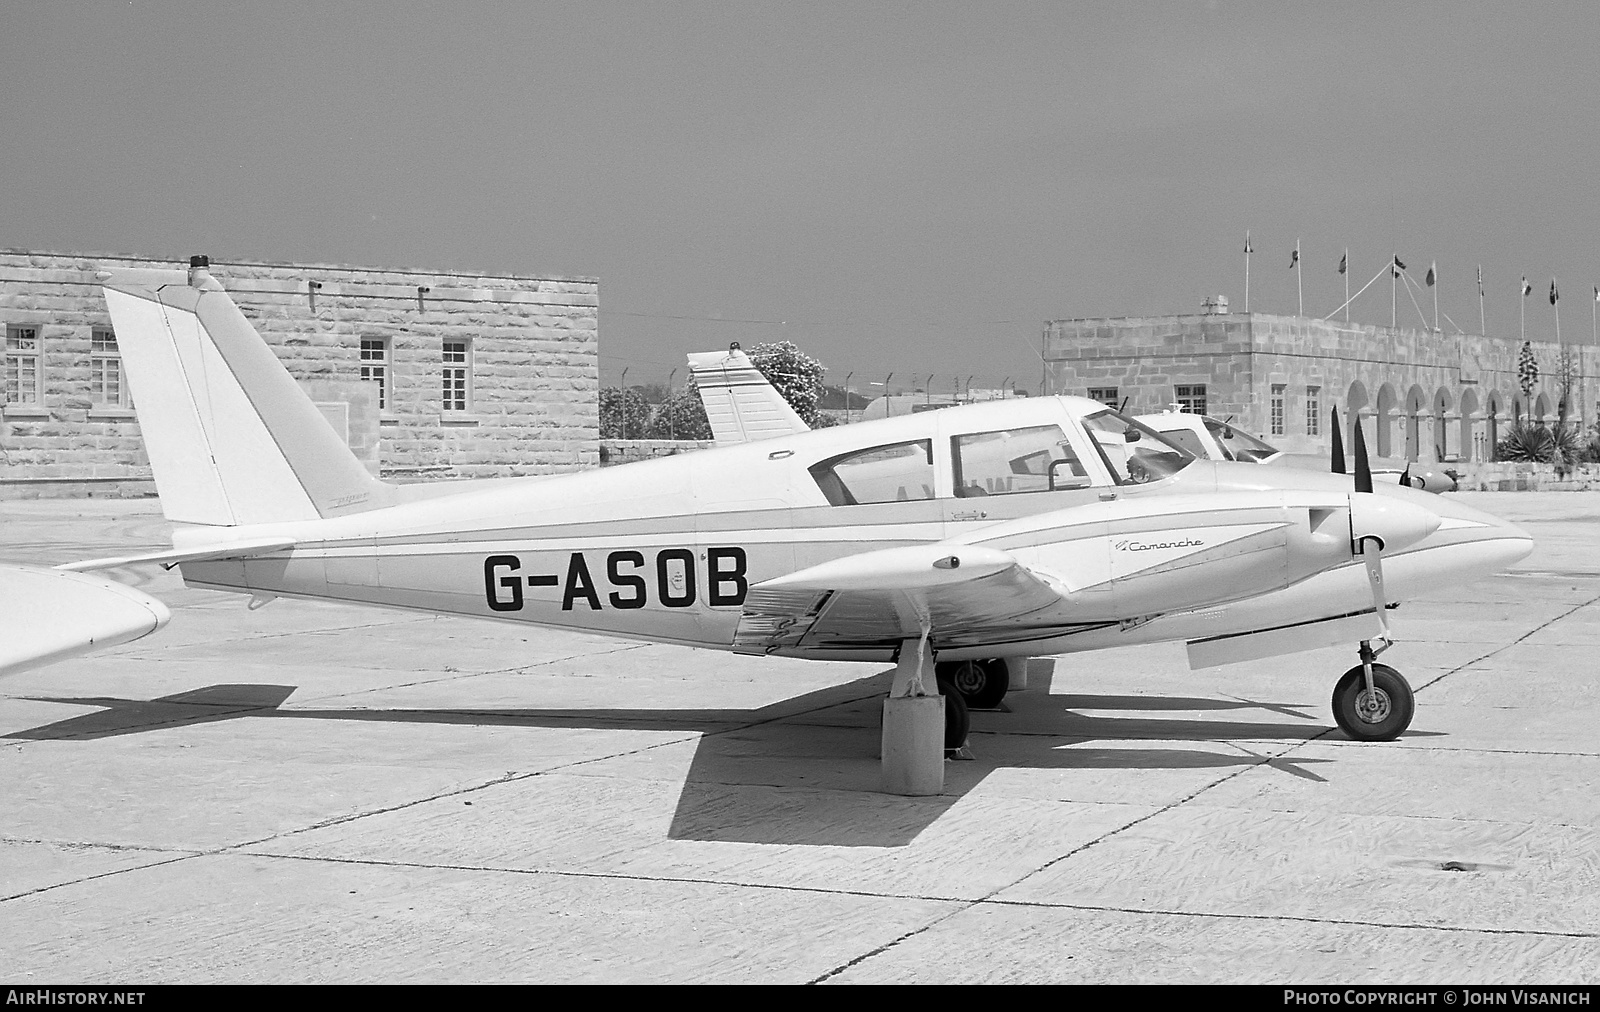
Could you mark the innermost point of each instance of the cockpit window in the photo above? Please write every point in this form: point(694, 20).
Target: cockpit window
point(1237, 444)
point(1134, 453)
point(894, 472)
point(1033, 459)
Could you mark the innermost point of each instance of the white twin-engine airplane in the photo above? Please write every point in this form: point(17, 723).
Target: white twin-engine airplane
point(958, 542)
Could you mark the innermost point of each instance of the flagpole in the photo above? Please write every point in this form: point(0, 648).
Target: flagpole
point(1555, 301)
point(1346, 272)
point(1299, 281)
point(1483, 328)
point(1394, 280)
point(1433, 269)
point(1247, 252)
point(1522, 314)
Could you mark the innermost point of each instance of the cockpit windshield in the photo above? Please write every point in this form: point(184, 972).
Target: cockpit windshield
point(1134, 453)
point(1237, 444)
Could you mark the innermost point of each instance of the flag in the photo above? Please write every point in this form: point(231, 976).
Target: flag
point(1247, 248)
point(1344, 263)
point(1527, 289)
point(1597, 293)
point(1554, 295)
point(1398, 265)
point(1432, 276)
point(1294, 258)
point(1480, 279)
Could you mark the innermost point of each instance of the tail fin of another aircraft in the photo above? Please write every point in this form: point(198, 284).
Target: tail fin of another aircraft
point(232, 438)
point(740, 404)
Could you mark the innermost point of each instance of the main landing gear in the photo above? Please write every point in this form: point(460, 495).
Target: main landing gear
point(1372, 702)
point(982, 684)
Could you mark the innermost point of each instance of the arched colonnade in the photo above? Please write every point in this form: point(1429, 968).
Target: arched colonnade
point(1461, 424)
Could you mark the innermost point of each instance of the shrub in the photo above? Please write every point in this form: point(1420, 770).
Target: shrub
point(1526, 443)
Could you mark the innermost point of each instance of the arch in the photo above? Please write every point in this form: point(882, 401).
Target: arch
point(1443, 403)
point(1355, 404)
point(1387, 402)
point(1470, 450)
point(1416, 407)
point(1541, 409)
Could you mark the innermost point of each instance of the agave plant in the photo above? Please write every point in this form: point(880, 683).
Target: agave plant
point(1526, 443)
point(1566, 447)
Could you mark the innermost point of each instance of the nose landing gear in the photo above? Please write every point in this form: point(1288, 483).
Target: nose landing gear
point(1372, 702)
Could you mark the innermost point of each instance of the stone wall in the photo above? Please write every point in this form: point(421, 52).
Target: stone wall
point(626, 451)
point(1508, 477)
point(1420, 395)
point(534, 360)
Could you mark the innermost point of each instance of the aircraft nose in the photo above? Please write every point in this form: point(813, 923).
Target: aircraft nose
point(1398, 523)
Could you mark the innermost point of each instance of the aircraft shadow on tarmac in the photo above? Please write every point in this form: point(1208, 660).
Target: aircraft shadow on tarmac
point(803, 770)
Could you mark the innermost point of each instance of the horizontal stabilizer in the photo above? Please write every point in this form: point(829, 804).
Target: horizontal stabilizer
point(170, 558)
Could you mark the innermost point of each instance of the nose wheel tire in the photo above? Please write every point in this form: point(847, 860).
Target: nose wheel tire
point(1381, 715)
point(982, 684)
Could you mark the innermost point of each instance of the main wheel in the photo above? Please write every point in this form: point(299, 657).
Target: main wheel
point(1381, 716)
point(983, 684)
point(956, 719)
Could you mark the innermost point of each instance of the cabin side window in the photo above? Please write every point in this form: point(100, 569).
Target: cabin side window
point(895, 472)
point(1033, 459)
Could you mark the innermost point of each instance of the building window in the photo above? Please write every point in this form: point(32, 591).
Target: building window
point(106, 389)
point(375, 367)
point(1313, 411)
point(1277, 408)
point(457, 375)
point(1105, 395)
point(24, 379)
point(1191, 398)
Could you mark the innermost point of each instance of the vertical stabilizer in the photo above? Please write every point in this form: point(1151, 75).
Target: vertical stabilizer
point(232, 438)
point(740, 404)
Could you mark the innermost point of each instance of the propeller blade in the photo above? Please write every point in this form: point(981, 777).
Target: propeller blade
point(1338, 445)
point(1363, 465)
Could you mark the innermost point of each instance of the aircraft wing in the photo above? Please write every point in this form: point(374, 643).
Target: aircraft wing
point(962, 592)
point(48, 615)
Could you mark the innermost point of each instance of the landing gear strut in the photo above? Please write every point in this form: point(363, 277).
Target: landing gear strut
point(1372, 702)
point(982, 684)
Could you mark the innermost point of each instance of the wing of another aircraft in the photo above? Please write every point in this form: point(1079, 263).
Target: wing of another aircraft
point(50, 615)
point(740, 404)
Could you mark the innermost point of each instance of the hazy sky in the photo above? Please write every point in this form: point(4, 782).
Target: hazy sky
point(906, 187)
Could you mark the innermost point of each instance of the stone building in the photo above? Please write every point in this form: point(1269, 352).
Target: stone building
point(427, 374)
point(1421, 396)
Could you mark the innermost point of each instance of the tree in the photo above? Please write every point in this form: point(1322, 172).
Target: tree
point(624, 414)
point(795, 375)
point(681, 416)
